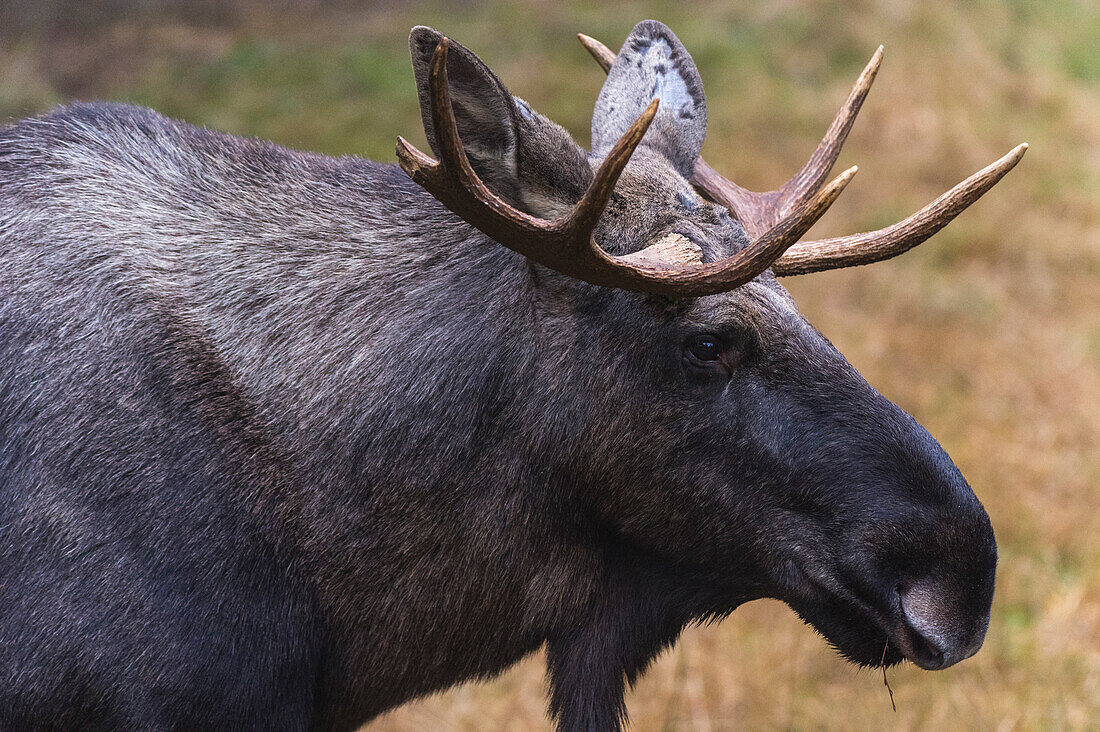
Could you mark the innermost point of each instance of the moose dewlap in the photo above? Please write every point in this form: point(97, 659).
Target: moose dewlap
point(288, 440)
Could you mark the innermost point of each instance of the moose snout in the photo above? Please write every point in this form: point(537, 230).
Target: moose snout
point(939, 630)
point(943, 594)
point(928, 560)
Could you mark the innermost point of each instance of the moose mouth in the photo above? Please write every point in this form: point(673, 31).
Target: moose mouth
point(867, 632)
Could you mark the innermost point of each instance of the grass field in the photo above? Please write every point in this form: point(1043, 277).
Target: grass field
point(989, 334)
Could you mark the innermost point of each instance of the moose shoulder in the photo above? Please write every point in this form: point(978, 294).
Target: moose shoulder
point(287, 440)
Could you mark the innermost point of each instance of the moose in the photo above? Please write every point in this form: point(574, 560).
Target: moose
point(287, 440)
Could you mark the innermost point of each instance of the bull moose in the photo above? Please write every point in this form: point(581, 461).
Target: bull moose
point(287, 440)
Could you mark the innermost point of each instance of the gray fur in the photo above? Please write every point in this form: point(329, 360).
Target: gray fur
point(284, 443)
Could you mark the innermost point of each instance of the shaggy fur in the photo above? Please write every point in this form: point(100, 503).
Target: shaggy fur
point(284, 443)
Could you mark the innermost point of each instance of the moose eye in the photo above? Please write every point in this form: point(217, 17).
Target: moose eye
point(704, 348)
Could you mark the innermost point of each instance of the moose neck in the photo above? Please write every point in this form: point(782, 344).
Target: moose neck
point(409, 380)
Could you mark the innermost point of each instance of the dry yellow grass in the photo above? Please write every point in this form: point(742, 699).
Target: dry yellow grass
point(989, 334)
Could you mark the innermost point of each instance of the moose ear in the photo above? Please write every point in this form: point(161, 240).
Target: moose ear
point(520, 155)
point(653, 64)
point(482, 106)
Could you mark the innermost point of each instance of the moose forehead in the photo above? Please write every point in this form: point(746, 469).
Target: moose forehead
point(761, 307)
point(650, 179)
point(652, 199)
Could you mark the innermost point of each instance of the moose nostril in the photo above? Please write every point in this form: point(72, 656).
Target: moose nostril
point(930, 654)
point(936, 631)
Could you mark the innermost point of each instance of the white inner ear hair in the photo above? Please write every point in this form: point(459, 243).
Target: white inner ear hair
point(668, 85)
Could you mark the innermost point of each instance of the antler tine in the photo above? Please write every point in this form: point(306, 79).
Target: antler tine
point(759, 211)
point(817, 168)
point(856, 249)
point(604, 56)
point(451, 152)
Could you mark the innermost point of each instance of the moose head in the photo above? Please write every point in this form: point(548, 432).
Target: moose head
point(716, 430)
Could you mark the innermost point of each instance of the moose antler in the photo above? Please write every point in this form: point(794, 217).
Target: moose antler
point(758, 211)
point(670, 267)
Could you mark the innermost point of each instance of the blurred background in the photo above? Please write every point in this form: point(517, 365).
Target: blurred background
point(989, 333)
